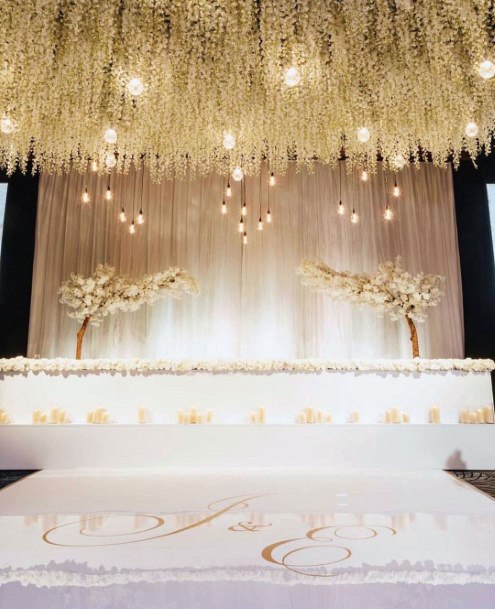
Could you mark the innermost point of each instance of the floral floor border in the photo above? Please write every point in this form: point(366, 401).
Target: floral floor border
point(482, 480)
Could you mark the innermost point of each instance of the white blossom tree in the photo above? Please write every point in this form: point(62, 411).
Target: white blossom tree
point(391, 290)
point(104, 293)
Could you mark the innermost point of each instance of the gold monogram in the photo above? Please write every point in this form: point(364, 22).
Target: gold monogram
point(234, 503)
point(338, 553)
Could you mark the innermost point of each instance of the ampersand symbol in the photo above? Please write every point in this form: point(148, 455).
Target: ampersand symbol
point(248, 526)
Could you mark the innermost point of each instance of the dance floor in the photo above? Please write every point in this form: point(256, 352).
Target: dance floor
point(252, 539)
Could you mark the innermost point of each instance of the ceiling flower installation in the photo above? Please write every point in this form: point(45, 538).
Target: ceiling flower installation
point(217, 85)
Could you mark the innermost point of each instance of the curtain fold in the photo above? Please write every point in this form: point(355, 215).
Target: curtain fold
point(252, 304)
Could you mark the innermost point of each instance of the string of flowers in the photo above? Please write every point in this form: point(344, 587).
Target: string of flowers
point(104, 293)
point(207, 86)
point(23, 365)
point(392, 290)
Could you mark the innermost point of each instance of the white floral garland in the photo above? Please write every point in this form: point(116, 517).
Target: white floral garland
point(62, 365)
point(438, 575)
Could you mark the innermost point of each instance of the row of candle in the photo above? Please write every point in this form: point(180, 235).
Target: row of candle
point(481, 415)
point(54, 416)
point(394, 415)
point(307, 415)
point(98, 417)
point(193, 417)
point(4, 417)
point(310, 415)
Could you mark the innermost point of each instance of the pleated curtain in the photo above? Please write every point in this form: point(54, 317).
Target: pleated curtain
point(252, 304)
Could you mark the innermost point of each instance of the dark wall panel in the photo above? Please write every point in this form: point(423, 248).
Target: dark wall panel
point(16, 262)
point(476, 253)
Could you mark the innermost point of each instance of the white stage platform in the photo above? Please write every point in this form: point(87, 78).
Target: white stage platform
point(233, 390)
point(243, 446)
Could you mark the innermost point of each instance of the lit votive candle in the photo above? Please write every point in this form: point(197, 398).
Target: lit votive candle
point(36, 416)
point(405, 417)
point(488, 414)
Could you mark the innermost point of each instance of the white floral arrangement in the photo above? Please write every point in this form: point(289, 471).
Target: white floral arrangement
point(23, 365)
point(105, 292)
point(392, 290)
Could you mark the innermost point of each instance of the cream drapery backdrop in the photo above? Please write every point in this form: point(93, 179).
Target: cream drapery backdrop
point(252, 304)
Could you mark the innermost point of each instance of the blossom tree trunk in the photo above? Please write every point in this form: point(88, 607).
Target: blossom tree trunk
point(413, 336)
point(80, 336)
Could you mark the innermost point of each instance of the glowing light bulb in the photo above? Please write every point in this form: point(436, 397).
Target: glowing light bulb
point(354, 217)
point(224, 207)
point(140, 218)
point(244, 238)
point(110, 136)
point(228, 140)
point(363, 134)
point(7, 125)
point(364, 176)
point(388, 215)
point(110, 161)
point(132, 228)
point(135, 86)
point(272, 179)
point(399, 161)
point(228, 192)
point(260, 224)
point(244, 210)
point(122, 216)
point(292, 77)
point(94, 166)
point(396, 191)
point(341, 209)
point(269, 216)
point(471, 130)
point(241, 225)
point(486, 69)
point(237, 174)
point(108, 194)
point(85, 196)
